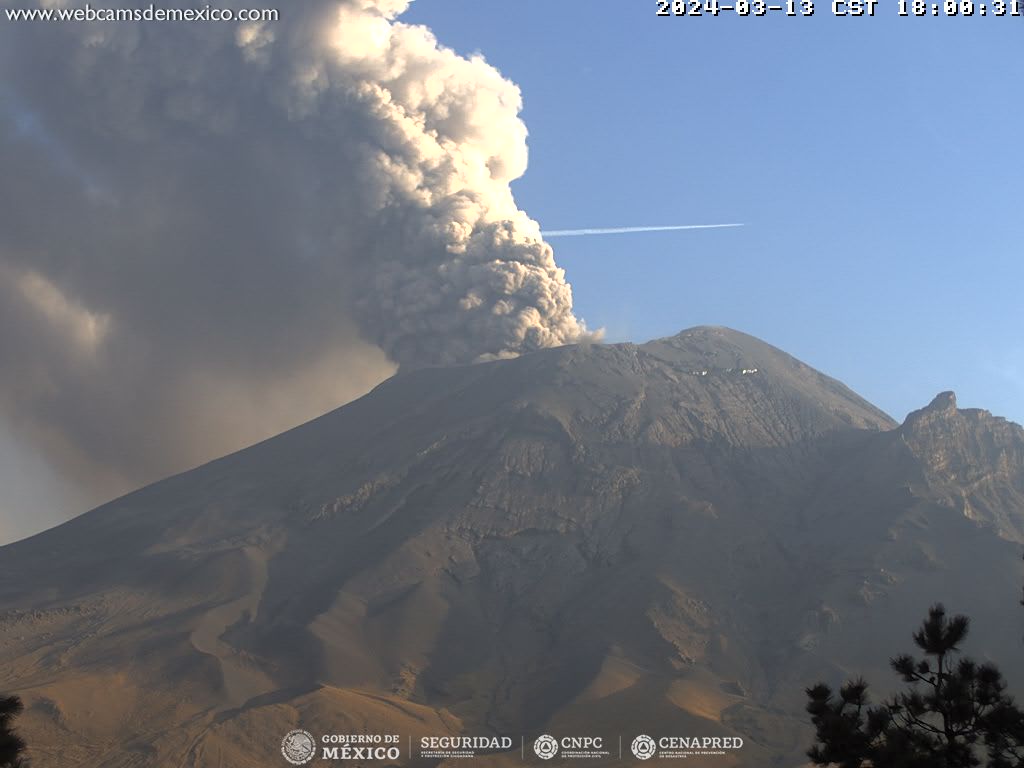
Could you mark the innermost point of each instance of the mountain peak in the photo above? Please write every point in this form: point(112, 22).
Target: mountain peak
point(716, 336)
point(942, 409)
point(774, 379)
point(969, 448)
point(944, 401)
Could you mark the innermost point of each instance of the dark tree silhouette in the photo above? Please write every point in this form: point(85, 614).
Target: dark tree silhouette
point(954, 714)
point(12, 747)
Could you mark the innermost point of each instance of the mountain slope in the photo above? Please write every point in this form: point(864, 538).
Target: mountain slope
point(679, 535)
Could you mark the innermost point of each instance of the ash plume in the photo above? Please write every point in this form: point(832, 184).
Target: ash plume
point(212, 231)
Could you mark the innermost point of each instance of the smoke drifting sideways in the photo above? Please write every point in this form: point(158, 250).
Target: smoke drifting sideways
point(210, 232)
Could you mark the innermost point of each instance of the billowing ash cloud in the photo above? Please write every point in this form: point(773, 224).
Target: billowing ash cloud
point(212, 231)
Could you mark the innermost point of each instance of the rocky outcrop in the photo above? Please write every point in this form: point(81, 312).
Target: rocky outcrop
point(970, 460)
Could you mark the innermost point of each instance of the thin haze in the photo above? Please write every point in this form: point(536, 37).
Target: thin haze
point(210, 232)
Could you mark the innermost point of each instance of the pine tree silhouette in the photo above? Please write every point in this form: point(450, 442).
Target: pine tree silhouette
point(954, 714)
point(12, 747)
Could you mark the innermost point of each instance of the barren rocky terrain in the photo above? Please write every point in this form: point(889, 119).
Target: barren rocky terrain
point(668, 538)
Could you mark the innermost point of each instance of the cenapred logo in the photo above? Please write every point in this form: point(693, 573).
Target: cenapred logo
point(643, 747)
point(682, 747)
point(546, 747)
point(298, 747)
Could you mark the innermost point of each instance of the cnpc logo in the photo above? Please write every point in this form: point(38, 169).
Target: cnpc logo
point(547, 746)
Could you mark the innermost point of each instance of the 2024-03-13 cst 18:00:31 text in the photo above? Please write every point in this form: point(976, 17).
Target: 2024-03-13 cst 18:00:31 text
point(839, 7)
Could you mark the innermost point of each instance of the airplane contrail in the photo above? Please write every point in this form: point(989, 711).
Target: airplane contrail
point(625, 230)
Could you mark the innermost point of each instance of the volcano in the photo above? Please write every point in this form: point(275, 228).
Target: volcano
point(672, 538)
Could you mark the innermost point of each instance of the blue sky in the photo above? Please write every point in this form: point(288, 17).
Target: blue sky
point(877, 162)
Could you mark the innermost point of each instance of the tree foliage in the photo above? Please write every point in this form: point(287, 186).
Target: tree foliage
point(954, 713)
point(12, 747)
